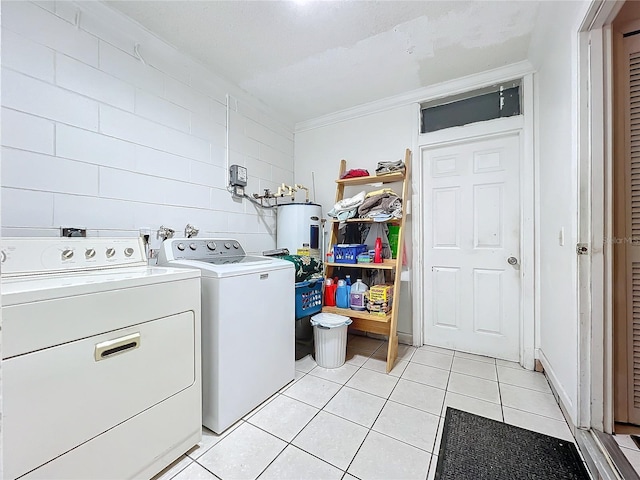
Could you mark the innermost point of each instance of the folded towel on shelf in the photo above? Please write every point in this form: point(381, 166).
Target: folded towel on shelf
point(347, 207)
point(385, 168)
point(386, 203)
point(349, 203)
point(342, 215)
point(380, 192)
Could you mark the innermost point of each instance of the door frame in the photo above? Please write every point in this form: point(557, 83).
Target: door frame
point(523, 125)
point(595, 216)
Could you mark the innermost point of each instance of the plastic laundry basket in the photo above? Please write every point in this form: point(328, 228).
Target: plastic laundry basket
point(330, 337)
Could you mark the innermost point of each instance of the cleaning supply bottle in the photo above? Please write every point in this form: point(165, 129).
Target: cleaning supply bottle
point(330, 293)
point(347, 279)
point(377, 257)
point(342, 295)
point(356, 297)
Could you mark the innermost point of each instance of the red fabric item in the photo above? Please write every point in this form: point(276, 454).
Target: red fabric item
point(356, 172)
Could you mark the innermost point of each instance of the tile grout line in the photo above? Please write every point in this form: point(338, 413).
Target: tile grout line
point(242, 420)
point(342, 385)
point(321, 409)
point(442, 409)
point(369, 429)
point(499, 392)
point(359, 367)
point(563, 420)
point(215, 476)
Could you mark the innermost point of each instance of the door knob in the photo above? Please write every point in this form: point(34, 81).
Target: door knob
point(512, 261)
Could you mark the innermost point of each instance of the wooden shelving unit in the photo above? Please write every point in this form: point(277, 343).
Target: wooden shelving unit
point(365, 321)
point(394, 221)
point(387, 264)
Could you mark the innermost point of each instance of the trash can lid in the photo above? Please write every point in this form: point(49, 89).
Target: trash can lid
point(330, 320)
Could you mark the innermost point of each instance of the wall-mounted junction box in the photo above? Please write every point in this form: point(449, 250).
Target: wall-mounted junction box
point(238, 176)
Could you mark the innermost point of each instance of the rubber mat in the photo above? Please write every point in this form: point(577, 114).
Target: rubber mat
point(477, 448)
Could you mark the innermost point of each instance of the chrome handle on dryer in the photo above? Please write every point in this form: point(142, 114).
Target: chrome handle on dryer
point(110, 348)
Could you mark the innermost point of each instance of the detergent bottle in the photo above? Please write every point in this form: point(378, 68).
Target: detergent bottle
point(356, 298)
point(330, 293)
point(378, 251)
point(342, 295)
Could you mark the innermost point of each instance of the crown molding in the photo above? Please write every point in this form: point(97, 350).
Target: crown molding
point(423, 94)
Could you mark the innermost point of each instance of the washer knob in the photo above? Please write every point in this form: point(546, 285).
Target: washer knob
point(3, 256)
point(128, 251)
point(227, 245)
point(211, 245)
point(193, 246)
point(67, 253)
point(181, 247)
point(111, 252)
point(236, 245)
point(90, 253)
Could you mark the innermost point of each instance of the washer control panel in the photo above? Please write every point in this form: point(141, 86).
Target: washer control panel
point(29, 256)
point(201, 248)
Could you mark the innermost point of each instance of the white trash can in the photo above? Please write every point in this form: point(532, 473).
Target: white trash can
point(330, 337)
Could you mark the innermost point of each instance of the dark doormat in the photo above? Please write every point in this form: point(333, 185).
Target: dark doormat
point(476, 448)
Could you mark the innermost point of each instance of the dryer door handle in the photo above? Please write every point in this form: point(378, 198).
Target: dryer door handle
point(111, 348)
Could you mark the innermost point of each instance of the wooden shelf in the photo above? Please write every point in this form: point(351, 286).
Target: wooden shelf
point(347, 312)
point(392, 221)
point(387, 264)
point(390, 178)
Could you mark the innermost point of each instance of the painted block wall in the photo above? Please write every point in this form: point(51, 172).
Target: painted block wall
point(553, 54)
point(362, 142)
point(94, 137)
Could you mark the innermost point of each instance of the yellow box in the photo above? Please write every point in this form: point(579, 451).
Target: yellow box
point(381, 293)
point(379, 299)
point(304, 251)
point(378, 309)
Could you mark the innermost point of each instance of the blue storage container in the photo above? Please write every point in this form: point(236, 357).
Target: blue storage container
point(308, 297)
point(348, 253)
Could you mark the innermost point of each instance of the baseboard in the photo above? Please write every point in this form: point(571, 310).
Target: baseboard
point(566, 405)
point(405, 338)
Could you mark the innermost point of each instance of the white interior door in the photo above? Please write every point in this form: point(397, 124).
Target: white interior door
point(472, 231)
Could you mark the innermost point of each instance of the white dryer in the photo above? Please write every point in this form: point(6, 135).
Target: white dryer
point(101, 359)
point(248, 325)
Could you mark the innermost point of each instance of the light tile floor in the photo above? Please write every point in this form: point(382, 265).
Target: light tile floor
point(630, 450)
point(356, 421)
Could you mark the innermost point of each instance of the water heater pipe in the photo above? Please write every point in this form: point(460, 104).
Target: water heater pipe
point(297, 186)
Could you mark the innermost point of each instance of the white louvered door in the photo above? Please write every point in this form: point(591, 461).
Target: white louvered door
point(632, 240)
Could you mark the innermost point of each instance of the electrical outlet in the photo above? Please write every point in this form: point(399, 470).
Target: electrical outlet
point(73, 232)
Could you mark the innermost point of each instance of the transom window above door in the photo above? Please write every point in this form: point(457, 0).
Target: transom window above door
point(496, 101)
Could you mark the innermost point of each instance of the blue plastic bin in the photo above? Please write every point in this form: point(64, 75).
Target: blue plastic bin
point(308, 297)
point(348, 253)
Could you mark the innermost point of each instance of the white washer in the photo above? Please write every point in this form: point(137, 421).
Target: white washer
point(101, 359)
point(248, 325)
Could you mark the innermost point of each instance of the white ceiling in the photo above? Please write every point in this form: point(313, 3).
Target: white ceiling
point(311, 58)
